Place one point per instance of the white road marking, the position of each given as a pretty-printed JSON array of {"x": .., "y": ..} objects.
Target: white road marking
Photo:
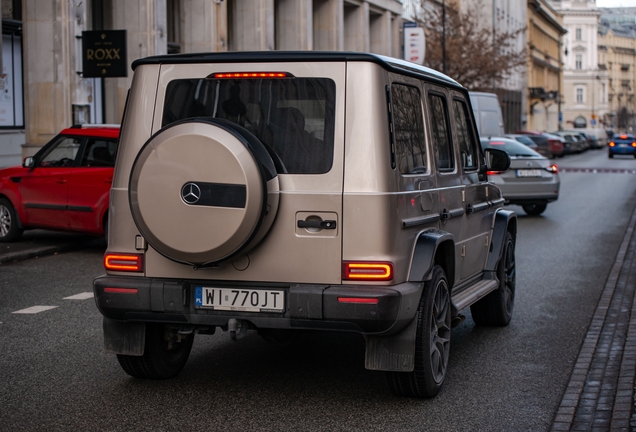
[
  {"x": 34, "y": 309},
  {"x": 80, "y": 296}
]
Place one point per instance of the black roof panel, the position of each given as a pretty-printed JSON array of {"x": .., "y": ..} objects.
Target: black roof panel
[{"x": 388, "y": 63}]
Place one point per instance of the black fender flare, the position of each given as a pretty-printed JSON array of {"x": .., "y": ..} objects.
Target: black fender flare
[
  {"x": 504, "y": 221},
  {"x": 423, "y": 258}
]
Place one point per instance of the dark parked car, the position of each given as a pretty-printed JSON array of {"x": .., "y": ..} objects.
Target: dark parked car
[
  {"x": 525, "y": 139},
  {"x": 622, "y": 145},
  {"x": 554, "y": 145}
]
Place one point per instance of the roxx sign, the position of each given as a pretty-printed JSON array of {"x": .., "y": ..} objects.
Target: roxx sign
[{"x": 104, "y": 54}]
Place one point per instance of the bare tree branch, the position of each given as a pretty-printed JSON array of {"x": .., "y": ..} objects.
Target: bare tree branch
[{"x": 476, "y": 57}]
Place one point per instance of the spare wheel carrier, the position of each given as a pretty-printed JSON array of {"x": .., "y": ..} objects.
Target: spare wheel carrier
[{"x": 203, "y": 190}]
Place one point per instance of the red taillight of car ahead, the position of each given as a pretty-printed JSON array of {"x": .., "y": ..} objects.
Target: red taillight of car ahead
[
  {"x": 634, "y": 144},
  {"x": 493, "y": 172},
  {"x": 612, "y": 144},
  {"x": 367, "y": 271},
  {"x": 123, "y": 262},
  {"x": 555, "y": 145},
  {"x": 554, "y": 169}
]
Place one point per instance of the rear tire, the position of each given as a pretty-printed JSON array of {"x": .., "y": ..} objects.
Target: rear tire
[
  {"x": 496, "y": 308},
  {"x": 534, "y": 209},
  {"x": 432, "y": 343},
  {"x": 162, "y": 359},
  {"x": 611, "y": 156},
  {"x": 9, "y": 230}
]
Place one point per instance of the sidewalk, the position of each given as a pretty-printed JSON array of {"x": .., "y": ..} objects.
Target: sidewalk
[
  {"x": 600, "y": 395},
  {"x": 36, "y": 243}
]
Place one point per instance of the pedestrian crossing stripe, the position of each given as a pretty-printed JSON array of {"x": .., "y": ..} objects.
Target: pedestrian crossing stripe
[
  {"x": 599, "y": 170},
  {"x": 80, "y": 296}
]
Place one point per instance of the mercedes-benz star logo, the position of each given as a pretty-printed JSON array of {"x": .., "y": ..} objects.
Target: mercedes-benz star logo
[{"x": 190, "y": 193}]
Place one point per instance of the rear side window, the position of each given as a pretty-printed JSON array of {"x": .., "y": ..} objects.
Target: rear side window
[
  {"x": 294, "y": 117},
  {"x": 99, "y": 153},
  {"x": 439, "y": 131},
  {"x": 408, "y": 125},
  {"x": 465, "y": 136}
]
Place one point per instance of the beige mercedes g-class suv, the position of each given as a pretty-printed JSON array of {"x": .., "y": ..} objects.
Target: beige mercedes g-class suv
[{"x": 282, "y": 192}]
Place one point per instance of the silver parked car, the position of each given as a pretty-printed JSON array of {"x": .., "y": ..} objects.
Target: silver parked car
[{"x": 532, "y": 180}]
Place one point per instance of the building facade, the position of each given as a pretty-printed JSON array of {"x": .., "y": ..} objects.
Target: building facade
[
  {"x": 617, "y": 58},
  {"x": 585, "y": 84},
  {"x": 545, "y": 67},
  {"x": 55, "y": 95}
]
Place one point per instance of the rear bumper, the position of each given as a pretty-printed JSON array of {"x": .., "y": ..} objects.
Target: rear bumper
[
  {"x": 306, "y": 306},
  {"x": 622, "y": 150}
]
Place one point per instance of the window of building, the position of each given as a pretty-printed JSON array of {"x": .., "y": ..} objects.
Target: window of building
[
  {"x": 11, "y": 97},
  {"x": 579, "y": 34},
  {"x": 408, "y": 124},
  {"x": 580, "y": 95},
  {"x": 579, "y": 61}
]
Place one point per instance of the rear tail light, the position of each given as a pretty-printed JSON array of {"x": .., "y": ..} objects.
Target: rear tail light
[
  {"x": 612, "y": 144},
  {"x": 554, "y": 169},
  {"x": 123, "y": 262},
  {"x": 493, "y": 172},
  {"x": 634, "y": 144},
  {"x": 367, "y": 271}
]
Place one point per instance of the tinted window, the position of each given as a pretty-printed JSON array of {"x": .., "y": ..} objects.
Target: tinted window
[
  {"x": 512, "y": 147},
  {"x": 99, "y": 152},
  {"x": 465, "y": 137},
  {"x": 294, "y": 117},
  {"x": 408, "y": 126},
  {"x": 525, "y": 140},
  {"x": 439, "y": 131}
]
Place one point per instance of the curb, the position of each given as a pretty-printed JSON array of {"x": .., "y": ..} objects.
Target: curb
[
  {"x": 13, "y": 257},
  {"x": 581, "y": 375}
]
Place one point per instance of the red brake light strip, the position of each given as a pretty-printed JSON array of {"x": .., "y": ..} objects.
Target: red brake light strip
[{"x": 251, "y": 75}]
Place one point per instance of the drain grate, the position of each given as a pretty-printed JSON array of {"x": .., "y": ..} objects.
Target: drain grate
[{"x": 599, "y": 170}]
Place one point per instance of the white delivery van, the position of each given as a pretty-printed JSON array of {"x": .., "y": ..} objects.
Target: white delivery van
[{"x": 487, "y": 114}]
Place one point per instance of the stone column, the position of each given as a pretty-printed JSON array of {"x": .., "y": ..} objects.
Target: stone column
[
  {"x": 146, "y": 35},
  {"x": 251, "y": 25},
  {"x": 48, "y": 70},
  {"x": 203, "y": 26},
  {"x": 356, "y": 27},
  {"x": 328, "y": 31},
  {"x": 293, "y": 25}
]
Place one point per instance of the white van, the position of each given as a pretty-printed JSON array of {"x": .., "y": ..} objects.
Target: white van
[{"x": 488, "y": 115}]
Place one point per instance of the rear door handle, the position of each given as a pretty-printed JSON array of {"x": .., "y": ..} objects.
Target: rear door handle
[{"x": 325, "y": 224}]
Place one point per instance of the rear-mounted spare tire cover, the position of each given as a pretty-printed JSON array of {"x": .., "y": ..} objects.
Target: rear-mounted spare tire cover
[{"x": 199, "y": 189}]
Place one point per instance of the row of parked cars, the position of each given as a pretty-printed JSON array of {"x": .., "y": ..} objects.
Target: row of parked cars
[{"x": 558, "y": 144}]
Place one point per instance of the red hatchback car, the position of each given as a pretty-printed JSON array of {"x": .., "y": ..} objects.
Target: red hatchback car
[{"x": 65, "y": 186}]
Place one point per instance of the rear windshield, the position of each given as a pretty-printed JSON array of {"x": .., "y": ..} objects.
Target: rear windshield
[
  {"x": 293, "y": 116},
  {"x": 512, "y": 147},
  {"x": 625, "y": 138},
  {"x": 525, "y": 140}
]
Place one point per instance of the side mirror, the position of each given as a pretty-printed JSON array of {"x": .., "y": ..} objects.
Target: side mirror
[
  {"x": 497, "y": 160},
  {"x": 28, "y": 162}
]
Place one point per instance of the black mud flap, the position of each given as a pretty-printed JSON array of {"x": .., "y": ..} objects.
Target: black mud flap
[
  {"x": 124, "y": 338},
  {"x": 392, "y": 353}
]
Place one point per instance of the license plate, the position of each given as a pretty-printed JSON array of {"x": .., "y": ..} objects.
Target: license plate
[
  {"x": 529, "y": 173},
  {"x": 240, "y": 300}
]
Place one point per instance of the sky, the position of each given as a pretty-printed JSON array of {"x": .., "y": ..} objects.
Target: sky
[{"x": 616, "y": 3}]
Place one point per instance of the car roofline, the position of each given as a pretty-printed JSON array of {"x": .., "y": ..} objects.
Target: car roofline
[{"x": 388, "y": 63}]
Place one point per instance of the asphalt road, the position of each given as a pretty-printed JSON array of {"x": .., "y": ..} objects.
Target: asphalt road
[{"x": 54, "y": 374}]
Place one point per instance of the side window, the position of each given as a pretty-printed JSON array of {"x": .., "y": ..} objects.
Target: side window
[
  {"x": 439, "y": 131},
  {"x": 408, "y": 124},
  {"x": 465, "y": 136},
  {"x": 99, "y": 153},
  {"x": 61, "y": 153}
]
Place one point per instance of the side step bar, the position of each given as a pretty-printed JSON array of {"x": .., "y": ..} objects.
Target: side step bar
[{"x": 475, "y": 292}]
